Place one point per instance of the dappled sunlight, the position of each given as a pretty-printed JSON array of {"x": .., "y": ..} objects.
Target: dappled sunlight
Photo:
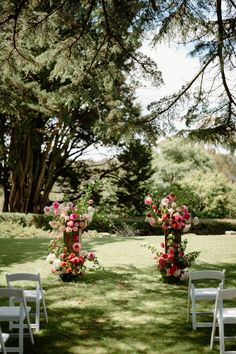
[{"x": 121, "y": 309}]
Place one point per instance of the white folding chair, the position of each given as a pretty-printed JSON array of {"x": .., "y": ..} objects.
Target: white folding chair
[
  {"x": 16, "y": 314},
  {"x": 198, "y": 292},
  {"x": 35, "y": 295},
  {"x": 3, "y": 338},
  {"x": 223, "y": 315}
]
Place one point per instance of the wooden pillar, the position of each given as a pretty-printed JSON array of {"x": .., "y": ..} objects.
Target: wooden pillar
[
  {"x": 68, "y": 239},
  {"x": 176, "y": 239}
]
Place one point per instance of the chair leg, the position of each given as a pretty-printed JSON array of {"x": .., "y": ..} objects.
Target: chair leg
[
  {"x": 188, "y": 309},
  {"x": 29, "y": 328},
  {"x": 21, "y": 337},
  {"x": 213, "y": 333},
  {"x": 45, "y": 311},
  {"x": 194, "y": 314},
  {"x": 222, "y": 338},
  {"x": 37, "y": 316}
]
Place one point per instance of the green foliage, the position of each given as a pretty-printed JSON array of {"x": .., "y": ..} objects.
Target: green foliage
[
  {"x": 132, "y": 180},
  {"x": 63, "y": 88},
  {"x": 196, "y": 177}
]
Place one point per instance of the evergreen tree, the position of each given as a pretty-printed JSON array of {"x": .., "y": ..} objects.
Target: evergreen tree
[
  {"x": 63, "y": 87},
  {"x": 132, "y": 181}
]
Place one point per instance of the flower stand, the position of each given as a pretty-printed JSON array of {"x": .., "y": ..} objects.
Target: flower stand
[{"x": 174, "y": 220}]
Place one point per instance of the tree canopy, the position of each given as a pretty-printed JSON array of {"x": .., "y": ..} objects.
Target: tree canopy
[{"x": 68, "y": 75}]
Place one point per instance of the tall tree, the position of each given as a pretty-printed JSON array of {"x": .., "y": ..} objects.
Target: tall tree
[
  {"x": 63, "y": 87},
  {"x": 207, "y": 104},
  {"x": 132, "y": 181}
]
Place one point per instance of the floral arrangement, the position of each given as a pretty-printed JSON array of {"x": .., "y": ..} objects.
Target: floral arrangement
[
  {"x": 174, "y": 220},
  {"x": 69, "y": 217},
  {"x": 65, "y": 253},
  {"x": 168, "y": 215},
  {"x": 70, "y": 265}
]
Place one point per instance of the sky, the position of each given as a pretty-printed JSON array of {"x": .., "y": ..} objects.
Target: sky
[{"x": 176, "y": 67}]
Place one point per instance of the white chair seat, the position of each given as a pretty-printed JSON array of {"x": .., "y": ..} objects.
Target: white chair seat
[
  {"x": 31, "y": 295},
  {"x": 228, "y": 315},
  {"x": 11, "y": 313}
]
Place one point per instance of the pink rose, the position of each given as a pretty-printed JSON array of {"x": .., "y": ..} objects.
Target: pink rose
[
  {"x": 55, "y": 204},
  {"x": 148, "y": 200},
  {"x": 76, "y": 246},
  {"x": 91, "y": 256},
  {"x": 74, "y": 216},
  {"x": 70, "y": 223}
]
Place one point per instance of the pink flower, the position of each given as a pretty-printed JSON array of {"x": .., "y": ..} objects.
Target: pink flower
[
  {"x": 162, "y": 245},
  {"x": 57, "y": 212},
  {"x": 152, "y": 221},
  {"x": 91, "y": 256},
  {"x": 171, "y": 250},
  {"x": 184, "y": 208},
  {"x": 70, "y": 223},
  {"x": 186, "y": 216},
  {"x": 171, "y": 196},
  {"x": 47, "y": 210},
  {"x": 165, "y": 202},
  {"x": 148, "y": 200},
  {"x": 55, "y": 204},
  {"x": 76, "y": 246},
  {"x": 74, "y": 216}
]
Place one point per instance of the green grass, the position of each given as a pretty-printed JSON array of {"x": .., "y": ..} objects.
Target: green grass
[{"x": 123, "y": 309}]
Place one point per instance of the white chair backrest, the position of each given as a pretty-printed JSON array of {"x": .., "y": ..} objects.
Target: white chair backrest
[
  {"x": 207, "y": 274},
  {"x": 34, "y": 277},
  {"x": 9, "y": 292},
  {"x": 226, "y": 294}
]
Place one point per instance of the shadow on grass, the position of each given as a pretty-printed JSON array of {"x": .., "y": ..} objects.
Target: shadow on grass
[
  {"x": 16, "y": 251},
  {"x": 123, "y": 310},
  {"x": 120, "y": 311}
]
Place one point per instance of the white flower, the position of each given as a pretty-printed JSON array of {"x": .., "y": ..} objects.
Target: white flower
[
  {"x": 195, "y": 220},
  {"x": 51, "y": 257},
  {"x": 56, "y": 264},
  {"x": 171, "y": 211},
  {"x": 186, "y": 227}
]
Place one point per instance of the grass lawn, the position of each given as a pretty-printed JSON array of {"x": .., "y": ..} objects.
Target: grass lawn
[{"x": 123, "y": 309}]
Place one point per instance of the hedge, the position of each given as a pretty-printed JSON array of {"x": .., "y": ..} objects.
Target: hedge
[{"x": 131, "y": 226}]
